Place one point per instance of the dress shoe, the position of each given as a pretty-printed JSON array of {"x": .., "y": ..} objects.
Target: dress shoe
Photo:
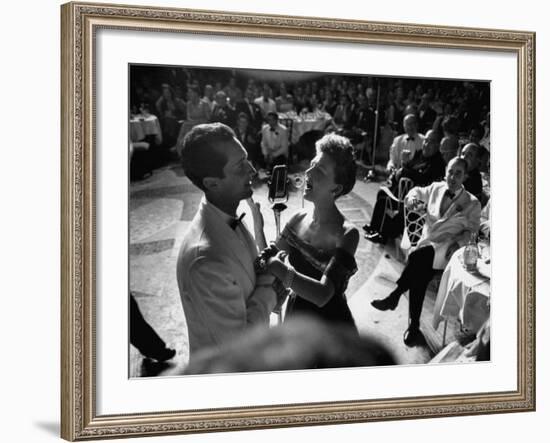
[
  {"x": 385, "y": 304},
  {"x": 368, "y": 230},
  {"x": 162, "y": 355},
  {"x": 412, "y": 336},
  {"x": 376, "y": 237}
]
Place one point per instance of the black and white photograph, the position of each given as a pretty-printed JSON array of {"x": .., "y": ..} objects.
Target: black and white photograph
[
  {"x": 288, "y": 220},
  {"x": 283, "y": 218}
]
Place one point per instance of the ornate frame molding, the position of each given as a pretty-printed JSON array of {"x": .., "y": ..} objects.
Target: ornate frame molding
[{"x": 79, "y": 23}]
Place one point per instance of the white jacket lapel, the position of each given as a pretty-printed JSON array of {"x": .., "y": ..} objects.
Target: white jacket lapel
[{"x": 226, "y": 239}]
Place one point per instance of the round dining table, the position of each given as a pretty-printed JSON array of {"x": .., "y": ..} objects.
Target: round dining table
[
  {"x": 464, "y": 295},
  {"x": 305, "y": 122},
  {"x": 144, "y": 125}
]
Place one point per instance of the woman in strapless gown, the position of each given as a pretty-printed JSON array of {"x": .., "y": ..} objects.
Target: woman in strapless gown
[
  {"x": 314, "y": 256},
  {"x": 337, "y": 264}
]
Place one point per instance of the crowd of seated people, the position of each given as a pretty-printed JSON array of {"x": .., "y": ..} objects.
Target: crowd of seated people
[
  {"x": 434, "y": 133},
  {"x": 370, "y": 111}
]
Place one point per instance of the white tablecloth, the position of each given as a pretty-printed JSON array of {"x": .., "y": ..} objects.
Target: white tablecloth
[
  {"x": 463, "y": 295},
  {"x": 306, "y": 122},
  {"x": 141, "y": 126}
]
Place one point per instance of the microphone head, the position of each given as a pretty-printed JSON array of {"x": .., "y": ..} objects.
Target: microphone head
[{"x": 278, "y": 185}]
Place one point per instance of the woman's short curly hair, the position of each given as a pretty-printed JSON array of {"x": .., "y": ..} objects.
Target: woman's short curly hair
[{"x": 341, "y": 151}]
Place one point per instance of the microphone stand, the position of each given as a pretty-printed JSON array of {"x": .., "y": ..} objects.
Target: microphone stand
[
  {"x": 372, "y": 175},
  {"x": 278, "y": 205}
]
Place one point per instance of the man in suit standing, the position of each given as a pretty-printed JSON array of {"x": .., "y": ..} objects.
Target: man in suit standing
[
  {"x": 221, "y": 293},
  {"x": 452, "y": 214},
  {"x": 274, "y": 142}
]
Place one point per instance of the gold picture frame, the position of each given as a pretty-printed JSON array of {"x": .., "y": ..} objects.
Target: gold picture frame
[{"x": 80, "y": 21}]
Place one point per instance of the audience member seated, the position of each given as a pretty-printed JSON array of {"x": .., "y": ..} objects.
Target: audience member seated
[
  {"x": 426, "y": 167},
  {"x": 198, "y": 112},
  {"x": 223, "y": 112},
  {"x": 284, "y": 101},
  {"x": 406, "y": 145},
  {"x": 449, "y": 143},
  {"x": 426, "y": 115},
  {"x": 251, "y": 109},
  {"x": 300, "y": 98},
  {"x": 265, "y": 102},
  {"x": 248, "y": 138},
  {"x": 452, "y": 214},
  {"x": 274, "y": 142},
  {"x": 170, "y": 111},
  {"x": 303, "y": 342},
  {"x": 329, "y": 104},
  {"x": 232, "y": 91},
  {"x": 471, "y": 153},
  {"x": 476, "y": 135},
  {"x": 343, "y": 115},
  {"x": 209, "y": 97},
  {"x": 363, "y": 120}
]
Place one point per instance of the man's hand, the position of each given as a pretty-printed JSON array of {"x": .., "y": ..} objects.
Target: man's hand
[{"x": 257, "y": 216}]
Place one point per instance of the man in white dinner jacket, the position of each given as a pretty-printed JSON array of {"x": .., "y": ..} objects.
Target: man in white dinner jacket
[
  {"x": 221, "y": 293},
  {"x": 452, "y": 214},
  {"x": 411, "y": 140},
  {"x": 274, "y": 142}
]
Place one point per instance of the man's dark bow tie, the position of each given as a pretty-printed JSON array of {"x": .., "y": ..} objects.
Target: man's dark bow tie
[
  {"x": 449, "y": 194},
  {"x": 234, "y": 222},
  {"x": 410, "y": 139},
  {"x": 274, "y": 130}
]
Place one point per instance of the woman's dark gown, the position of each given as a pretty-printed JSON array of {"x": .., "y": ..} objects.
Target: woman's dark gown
[{"x": 339, "y": 266}]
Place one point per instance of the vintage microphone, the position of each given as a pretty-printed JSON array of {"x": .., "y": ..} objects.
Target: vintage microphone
[{"x": 278, "y": 196}]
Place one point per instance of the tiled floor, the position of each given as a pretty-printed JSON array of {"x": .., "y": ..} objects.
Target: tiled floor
[{"x": 161, "y": 207}]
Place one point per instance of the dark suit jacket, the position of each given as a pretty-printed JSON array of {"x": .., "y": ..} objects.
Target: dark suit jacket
[
  {"x": 426, "y": 119},
  {"x": 251, "y": 142},
  {"x": 254, "y": 113},
  {"x": 424, "y": 170},
  {"x": 473, "y": 183},
  {"x": 364, "y": 119},
  {"x": 225, "y": 115}
]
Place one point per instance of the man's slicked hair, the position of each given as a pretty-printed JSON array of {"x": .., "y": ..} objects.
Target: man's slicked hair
[{"x": 201, "y": 155}]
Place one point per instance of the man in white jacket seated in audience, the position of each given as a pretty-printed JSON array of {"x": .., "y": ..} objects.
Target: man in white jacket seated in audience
[
  {"x": 404, "y": 146},
  {"x": 452, "y": 214}
]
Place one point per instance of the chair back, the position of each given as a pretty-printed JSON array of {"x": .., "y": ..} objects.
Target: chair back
[
  {"x": 414, "y": 224},
  {"x": 394, "y": 203},
  {"x": 403, "y": 187}
]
